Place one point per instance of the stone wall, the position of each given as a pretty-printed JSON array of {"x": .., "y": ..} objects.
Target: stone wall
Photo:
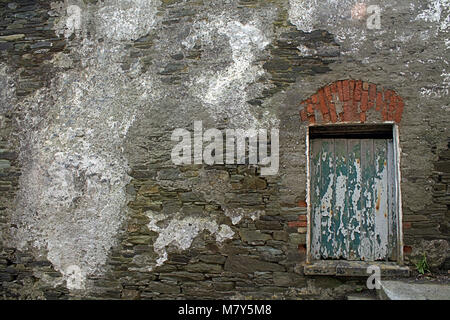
[{"x": 91, "y": 204}]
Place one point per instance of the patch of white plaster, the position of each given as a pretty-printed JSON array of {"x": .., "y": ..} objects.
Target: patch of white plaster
[
  {"x": 435, "y": 90},
  {"x": 72, "y": 187},
  {"x": 225, "y": 92},
  {"x": 72, "y": 199},
  {"x": 243, "y": 39},
  {"x": 181, "y": 231},
  {"x": 336, "y": 17},
  {"x": 224, "y": 233},
  {"x": 73, "y": 21},
  {"x": 75, "y": 277},
  {"x": 435, "y": 12},
  {"x": 235, "y": 215},
  {"x": 126, "y": 19},
  {"x": 305, "y": 51},
  {"x": 302, "y": 13}
]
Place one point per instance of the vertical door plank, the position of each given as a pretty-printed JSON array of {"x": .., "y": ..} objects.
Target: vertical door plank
[
  {"x": 315, "y": 160},
  {"x": 366, "y": 247},
  {"x": 392, "y": 215},
  {"x": 326, "y": 196},
  {"x": 340, "y": 209},
  {"x": 380, "y": 239},
  {"x": 354, "y": 198}
]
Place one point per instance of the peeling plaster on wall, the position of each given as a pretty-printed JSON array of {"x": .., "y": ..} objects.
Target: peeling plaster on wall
[
  {"x": 309, "y": 15},
  {"x": 69, "y": 17},
  {"x": 237, "y": 214},
  {"x": 305, "y": 51},
  {"x": 225, "y": 92},
  {"x": 438, "y": 14},
  {"x": 334, "y": 16},
  {"x": 126, "y": 19},
  {"x": 181, "y": 231},
  {"x": 353, "y": 34},
  {"x": 302, "y": 14},
  {"x": 438, "y": 91},
  {"x": 119, "y": 20},
  {"x": 73, "y": 18},
  {"x": 224, "y": 233},
  {"x": 73, "y": 22},
  {"x": 435, "y": 13},
  {"x": 72, "y": 199}
]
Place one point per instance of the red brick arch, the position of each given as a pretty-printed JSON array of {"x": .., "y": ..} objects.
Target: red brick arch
[{"x": 351, "y": 101}]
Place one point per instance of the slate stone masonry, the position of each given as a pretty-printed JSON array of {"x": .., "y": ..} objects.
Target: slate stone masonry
[{"x": 198, "y": 231}]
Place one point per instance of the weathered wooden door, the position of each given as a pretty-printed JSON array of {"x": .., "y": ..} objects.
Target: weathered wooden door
[{"x": 352, "y": 199}]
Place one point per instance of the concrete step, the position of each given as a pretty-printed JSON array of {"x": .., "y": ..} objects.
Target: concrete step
[
  {"x": 363, "y": 296},
  {"x": 407, "y": 290}
]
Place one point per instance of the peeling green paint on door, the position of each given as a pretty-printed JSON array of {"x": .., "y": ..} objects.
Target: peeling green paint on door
[{"x": 352, "y": 199}]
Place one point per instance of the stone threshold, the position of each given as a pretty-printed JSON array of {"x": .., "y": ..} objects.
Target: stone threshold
[
  {"x": 406, "y": 290},
  {"x": 354, "y": 268}
]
